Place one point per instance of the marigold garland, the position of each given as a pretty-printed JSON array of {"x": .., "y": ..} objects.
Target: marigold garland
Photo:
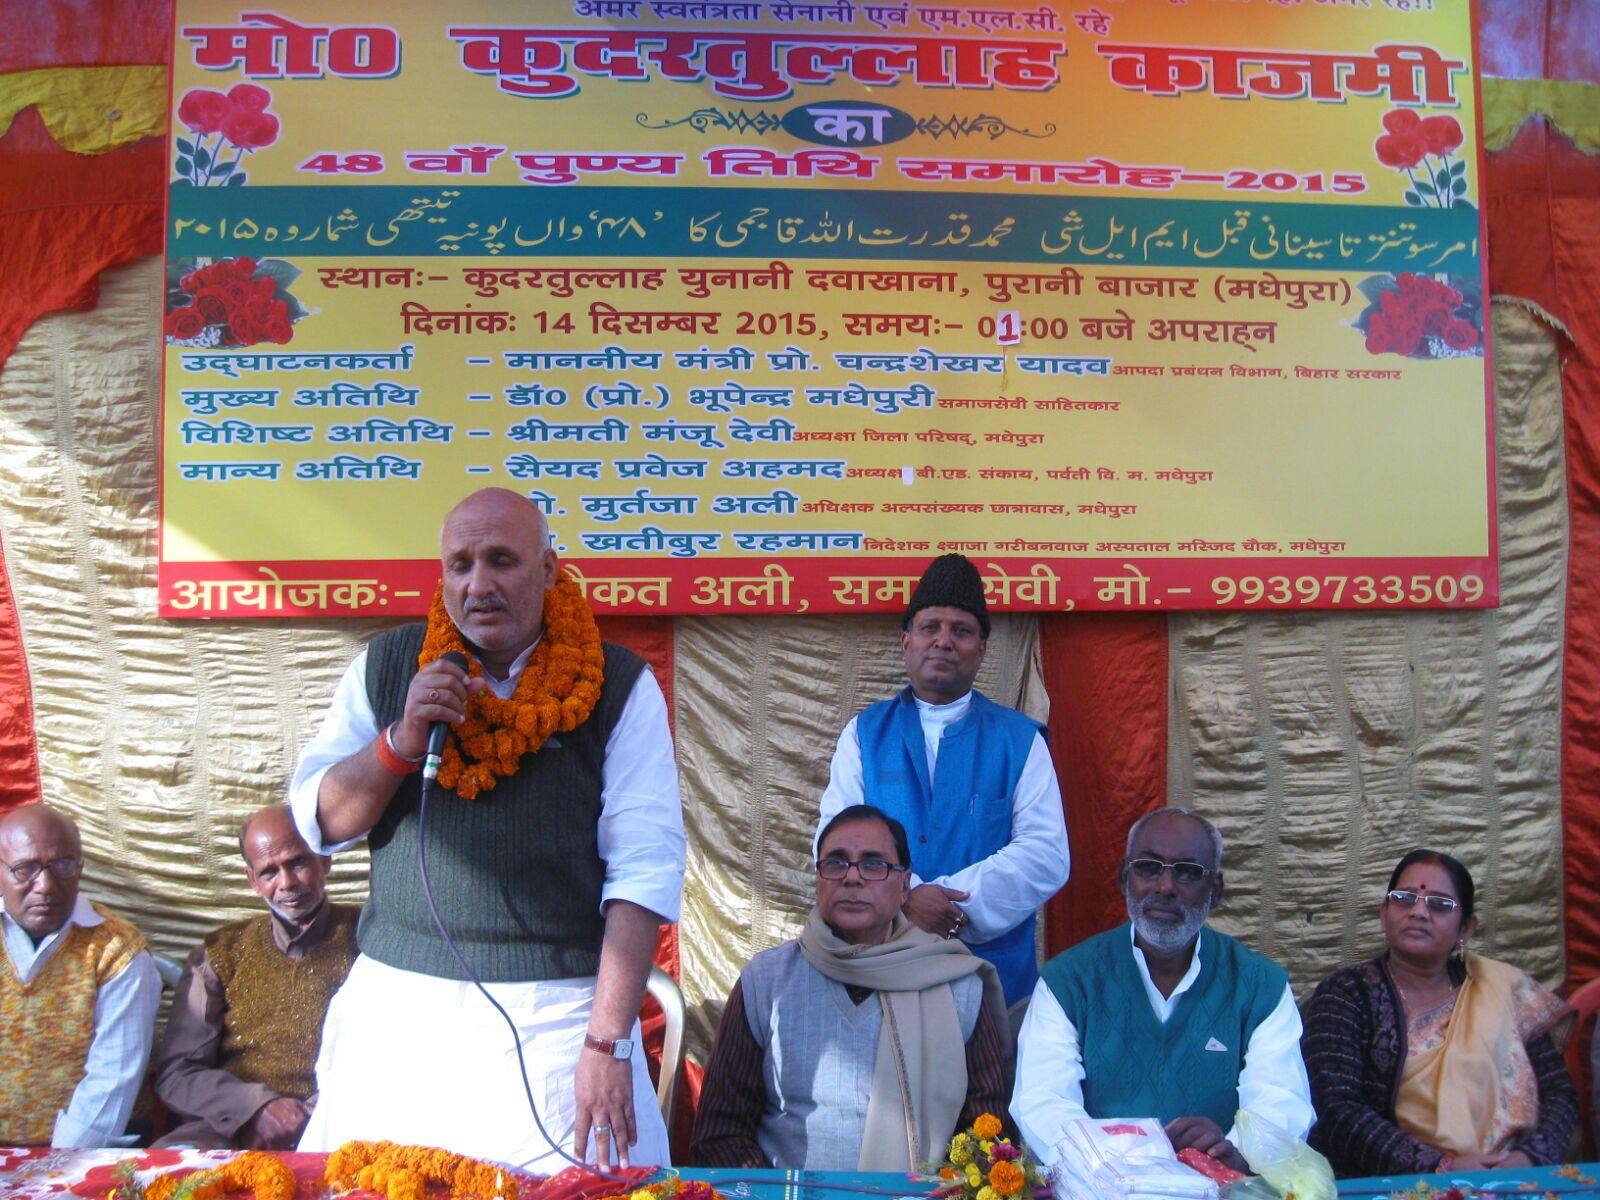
[
  {"x": 557, "y": 691},
  {"x": 404, "y": 1172},
  {"x": 255, "y": 1172}
]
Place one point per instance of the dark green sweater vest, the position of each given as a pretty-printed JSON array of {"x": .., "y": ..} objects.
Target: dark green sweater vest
[
  {"x": 1137, "y": 1066},
  {"x": 516, "y": 874}
]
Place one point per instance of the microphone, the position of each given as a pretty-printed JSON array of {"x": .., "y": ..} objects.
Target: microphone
[{"x": 436, "y": 732}]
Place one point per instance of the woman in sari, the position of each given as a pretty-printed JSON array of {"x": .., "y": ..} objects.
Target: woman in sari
[{"x": 1429, "y": 1058}]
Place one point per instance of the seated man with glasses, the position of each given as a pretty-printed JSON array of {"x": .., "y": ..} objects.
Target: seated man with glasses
[
  {"x": 827, "y": 1040},
  {"x": 78, "y": 1000},
  {"x": 1163, "y": 1017}
]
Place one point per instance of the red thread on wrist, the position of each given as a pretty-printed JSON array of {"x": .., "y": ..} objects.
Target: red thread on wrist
[{"x": 391, "y": 759}]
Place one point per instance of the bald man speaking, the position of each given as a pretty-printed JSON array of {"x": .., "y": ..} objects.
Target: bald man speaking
[{"x": 554, "y": 846}]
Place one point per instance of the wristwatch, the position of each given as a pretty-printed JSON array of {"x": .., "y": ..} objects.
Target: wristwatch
[{"x": 621, "y": 1048}]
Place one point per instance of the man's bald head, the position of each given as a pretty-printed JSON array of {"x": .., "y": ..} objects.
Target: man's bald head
[
  {"x": 43, "y": 846},
  {"x": 501, "y": 505},
  {"x": 33, "y": 820},
  {"x": 497, "y": 562}
]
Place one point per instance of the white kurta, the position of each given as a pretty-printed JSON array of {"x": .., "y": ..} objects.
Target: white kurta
[{"x": 415, "y": 1058}]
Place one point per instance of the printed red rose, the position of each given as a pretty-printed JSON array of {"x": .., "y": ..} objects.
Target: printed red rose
[
  {"x": 1440, "y": 134},
  {"x": 1459, "y": 335},
  {"x": 247, "y": 97},
  {"x": 1402, "y": 151},
  {"x": 1435, "y": 317},
  {"x": 250, "y": 130},
  {"x": 1401, "y": 120},
  {"x": 263, "y": 288},
  {"x": 241, "y": 268},
  {"x": 278, "y": 332},
  {"x": 242, "y": 325},
  {"x": 204, "y": 110},
  {"x": 183, "y": 323},
  {"x": 212, "y": 305}
]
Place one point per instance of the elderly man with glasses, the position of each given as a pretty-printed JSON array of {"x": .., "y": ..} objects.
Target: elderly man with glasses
[
  {"x": 837, "y": 1051},
  {"x": 78, "y": 1000},
  {"x": 1163, "y": 1017}
]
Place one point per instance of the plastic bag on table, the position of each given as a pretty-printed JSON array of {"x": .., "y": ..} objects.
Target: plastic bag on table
[
  {"x": 1286, "y": 1162},
  {"x": 1127, "y": 1158}
]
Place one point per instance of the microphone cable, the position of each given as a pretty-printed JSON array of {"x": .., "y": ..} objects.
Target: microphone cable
[{"x": 516, "y": 1035}]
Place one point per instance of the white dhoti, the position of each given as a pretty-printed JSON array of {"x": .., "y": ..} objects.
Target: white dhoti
[{"x": 426, "y": 1061}]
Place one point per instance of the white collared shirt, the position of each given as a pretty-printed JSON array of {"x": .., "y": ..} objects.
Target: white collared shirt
[
  {"x": 640, "y": 831},
  {"x": 1049, "y": 1088},
  {"x": 1011, "y": 884},
  {"x": 124, "y": 1027}
]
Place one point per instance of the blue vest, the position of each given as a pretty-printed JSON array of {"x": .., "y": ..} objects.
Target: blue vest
[
  {"x": 1134, "y": 1065},
  {"x": 964, "y": 815}
]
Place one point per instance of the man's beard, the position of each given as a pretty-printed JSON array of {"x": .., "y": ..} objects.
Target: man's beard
[{"x": 1161, "y": 935}]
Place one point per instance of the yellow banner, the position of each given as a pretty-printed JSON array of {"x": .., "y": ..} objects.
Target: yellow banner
[{"x": 1138, "y": 304}]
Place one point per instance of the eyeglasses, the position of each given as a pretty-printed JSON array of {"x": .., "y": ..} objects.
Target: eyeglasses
[
  {"x": 871, "y": 870},
  {"x": 62, "y": 868},
  {"x": 1439, "y": 904},
  {"x": 1151, "y": 869}
]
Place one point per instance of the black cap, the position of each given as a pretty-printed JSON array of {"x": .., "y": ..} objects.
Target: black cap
[{"x": 951, "y": 581}]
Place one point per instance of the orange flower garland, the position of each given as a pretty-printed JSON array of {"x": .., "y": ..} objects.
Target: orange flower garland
[
  {"x": 557, "y": 691},
  {"x": 404, "y": 1172},
  {"x": 260, "y": 1174}
]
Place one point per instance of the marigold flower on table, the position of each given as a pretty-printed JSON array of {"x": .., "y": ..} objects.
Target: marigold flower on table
[
  {"x": 988, "y": 1193},
  {"x": 987, "y": 1126},
  {"x": 1006, "y": 1178}
]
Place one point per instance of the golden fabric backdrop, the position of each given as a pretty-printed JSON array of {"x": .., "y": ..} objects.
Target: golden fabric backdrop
[{"x": 1326, "y": 746}]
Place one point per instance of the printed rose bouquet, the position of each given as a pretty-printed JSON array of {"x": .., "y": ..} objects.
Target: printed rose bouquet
[
  {"x": 230, "y": 302},
  {"x": 239, "y": 119},
  {"x": 1407, "y": 142},
  {"x": 982, "y": 1165},
  {"x": 1420, "y": 316}
]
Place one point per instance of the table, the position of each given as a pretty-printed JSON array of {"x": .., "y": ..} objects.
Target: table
[{"x": 38, "y": 1174}]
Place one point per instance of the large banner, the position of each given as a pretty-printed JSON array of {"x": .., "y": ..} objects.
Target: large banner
[{"x": 1138, "y": 303}]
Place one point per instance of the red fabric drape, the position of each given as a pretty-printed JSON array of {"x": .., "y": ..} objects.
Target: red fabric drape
[
  {"x": 64, "y": 218},
  {"x": 1107, "y": 678},
  {"x": 1543, "y": 211}
]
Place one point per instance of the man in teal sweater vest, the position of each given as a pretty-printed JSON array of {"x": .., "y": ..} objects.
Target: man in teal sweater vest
[{"x": 1163, "y": 1016}]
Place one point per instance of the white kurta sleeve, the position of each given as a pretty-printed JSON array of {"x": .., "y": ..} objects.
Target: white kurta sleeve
[
  {"x": 845, "y": 780},
  {"x": 1011, "y": 884},
  {"x": 124, "y": 1027},
  {"x": 1049, "y": 1088},
  {"x": 1273, "y": 1082},
  {"x": 641, "y": 821},
  {"x": 347, "y": 726}
]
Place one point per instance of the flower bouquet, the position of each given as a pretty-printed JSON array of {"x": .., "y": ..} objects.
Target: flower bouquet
[
  {"x": 982, "y": 1165},
  {"x": 230, "y": 302},
  {"x": 1420, "y": 316},
  {"x": 238, "y": 121}
]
